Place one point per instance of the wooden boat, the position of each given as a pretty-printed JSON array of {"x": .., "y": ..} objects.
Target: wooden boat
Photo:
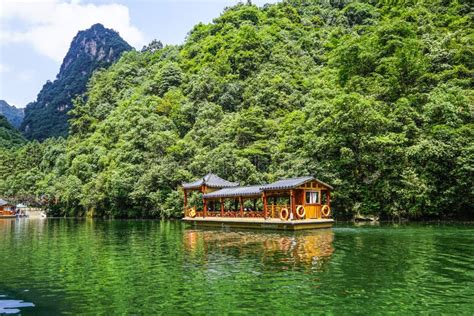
[
  {"x": 7, "y": 210},
  {"x": 7, "y": 214},
  {"x": 287, "y": 204}
]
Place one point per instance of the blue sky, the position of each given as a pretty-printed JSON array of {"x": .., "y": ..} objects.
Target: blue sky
[{"x": 35, "y": 34}]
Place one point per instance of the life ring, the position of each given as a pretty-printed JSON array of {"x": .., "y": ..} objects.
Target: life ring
[
  {"x": 192, "y": 212},
  {"x": 284, "y": 214},
  {"x": 300, "y": 211},
  {"x": 326, "y": 210}
]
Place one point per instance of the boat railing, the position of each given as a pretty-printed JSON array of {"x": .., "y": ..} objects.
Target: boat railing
[
  {"x": 275, "y": 209},
  {"x": 7, "y": 213},
  {"x": 235, "y": 213}
]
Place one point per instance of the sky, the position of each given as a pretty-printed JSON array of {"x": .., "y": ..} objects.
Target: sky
[{"x": 35, "y": 34}]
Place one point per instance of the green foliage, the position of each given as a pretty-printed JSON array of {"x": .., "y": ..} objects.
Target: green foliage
[
  {"x": 9, "y": 136},
  {"x": 370, "y": 96}
]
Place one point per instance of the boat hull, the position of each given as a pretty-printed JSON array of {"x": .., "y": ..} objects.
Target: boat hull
[
  {"x": 259, "y": 223},
  {"x": 7, "y": 216}
]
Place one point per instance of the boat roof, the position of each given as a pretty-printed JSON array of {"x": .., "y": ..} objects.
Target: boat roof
[
  {"x": 291, "y": 183},
  {"x": 287, "y": 183},
  {"x": 250, "y": 190},
  {"x": 210, "y": 180},
  {"x": 255, "y": 190},
  {"x": 3, "y": 202}
]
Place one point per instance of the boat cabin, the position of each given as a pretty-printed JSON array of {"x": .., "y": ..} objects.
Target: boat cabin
[
  {"x": 290, "y": 200},
  {"x": 306, "y": 194},
  {"x": 6, "y": 208}
]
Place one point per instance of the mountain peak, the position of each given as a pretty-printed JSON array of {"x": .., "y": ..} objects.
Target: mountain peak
[
  {"x": 96, "y": 43},
  {"x": 93, "y": 48},
  {"x": 97, "y": 27}
]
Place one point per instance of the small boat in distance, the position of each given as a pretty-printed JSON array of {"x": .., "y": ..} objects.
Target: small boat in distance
[
  {"x": 7, "y": 210},
  {"x": 287, "y": 204}
]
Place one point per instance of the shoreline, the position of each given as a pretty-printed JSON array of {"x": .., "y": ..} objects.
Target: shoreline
[{"x": 361, "y": 223}]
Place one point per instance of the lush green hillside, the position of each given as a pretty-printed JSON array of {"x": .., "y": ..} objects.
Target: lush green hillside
[
  {"x": 375, "y": 99},
  {"x": 91, "y": 49},
  {"x": 13, "y": 114},
  {"x": 9, "y": 136}
]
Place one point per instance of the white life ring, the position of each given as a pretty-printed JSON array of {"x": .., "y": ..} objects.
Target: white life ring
[
  {"x": 300, "y": 212},
  {"x": 326, "y": 210},
  {"x": 284, "y": 214}
]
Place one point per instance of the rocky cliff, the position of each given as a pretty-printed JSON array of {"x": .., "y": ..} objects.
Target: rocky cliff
[{"x": 94, "y": 48}]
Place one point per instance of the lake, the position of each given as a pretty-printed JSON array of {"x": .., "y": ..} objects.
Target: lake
[{"x": 163, "y": 267}]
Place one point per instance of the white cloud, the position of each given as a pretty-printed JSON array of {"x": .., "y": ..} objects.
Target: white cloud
[
  {"x": 50, "y": 25},
  {"x": 25, "y": 75},
  {"x": 4, "y": 68}
]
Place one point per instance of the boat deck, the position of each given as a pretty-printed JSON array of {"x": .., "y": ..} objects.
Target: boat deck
[
  {"x": 260, "y": 223},
  {"x": 7, "y": 216}
]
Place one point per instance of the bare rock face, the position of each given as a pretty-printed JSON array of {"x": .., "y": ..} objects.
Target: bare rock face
[{"x": 96, "y": 47}]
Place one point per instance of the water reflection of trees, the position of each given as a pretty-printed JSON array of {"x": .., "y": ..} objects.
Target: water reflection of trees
[{"x": 274, "y": 250}]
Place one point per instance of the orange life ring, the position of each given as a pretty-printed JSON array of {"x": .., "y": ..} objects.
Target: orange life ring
[
  {"x": 192, "y": 212},
  {"x": 284, "y": 214},
  {"x": 300, "y": 211},
  {"x": 326, "y": 210}
]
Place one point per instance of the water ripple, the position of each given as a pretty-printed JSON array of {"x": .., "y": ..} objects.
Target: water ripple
[{"x": 151, "y": 267}]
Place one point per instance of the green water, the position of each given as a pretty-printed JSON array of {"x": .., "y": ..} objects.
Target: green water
[{"x": 151, "y": 267}]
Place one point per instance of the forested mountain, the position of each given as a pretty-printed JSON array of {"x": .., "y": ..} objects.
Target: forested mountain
[
  {"x": 91, "y": 49},
  {"x": 13, "y": 114},
  {"x": 9, "y": 136},
  {"x": 371, "y": 97}
]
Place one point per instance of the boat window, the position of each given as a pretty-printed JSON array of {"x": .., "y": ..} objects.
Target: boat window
[{"x": 312, "y": 197}]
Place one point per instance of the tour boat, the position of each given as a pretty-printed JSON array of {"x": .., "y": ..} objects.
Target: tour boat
[
  {"x": 287, "y": 204},
  {"x": 7, "y": 210}
]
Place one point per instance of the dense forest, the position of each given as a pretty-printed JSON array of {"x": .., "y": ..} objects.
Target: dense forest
[
  {"x": 9, "y": 136},
  {"x": 371, "y": 97}
]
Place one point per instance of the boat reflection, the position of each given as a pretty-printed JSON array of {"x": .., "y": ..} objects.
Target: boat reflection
[
  {"x": 20, "y": 225},
  {"x": 311, "y": 248}
]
